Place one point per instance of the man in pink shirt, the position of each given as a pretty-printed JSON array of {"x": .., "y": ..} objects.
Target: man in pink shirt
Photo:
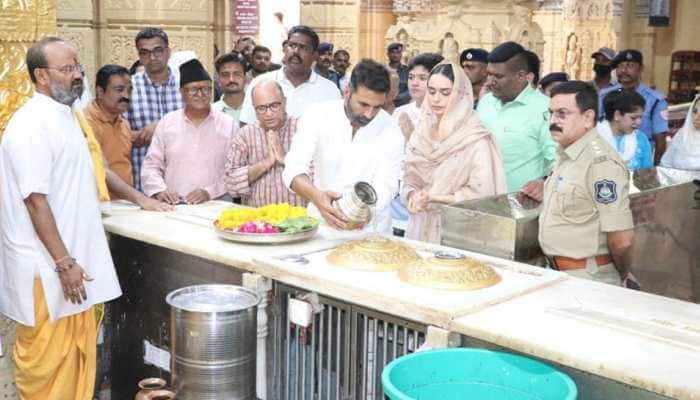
[{"x": 187, "y": 156}]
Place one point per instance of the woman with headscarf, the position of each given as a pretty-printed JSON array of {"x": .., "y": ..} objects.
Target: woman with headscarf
[
  {"x": 684, "y": 150},
  {"x": 451, "y": 156},
  {"x": 407, "y": 116}
]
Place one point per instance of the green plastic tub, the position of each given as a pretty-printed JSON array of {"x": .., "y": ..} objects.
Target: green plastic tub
[{"x": 463, "y": 373}]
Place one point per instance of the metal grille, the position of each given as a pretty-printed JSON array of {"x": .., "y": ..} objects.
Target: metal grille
[{"x": 341, "y": 355}]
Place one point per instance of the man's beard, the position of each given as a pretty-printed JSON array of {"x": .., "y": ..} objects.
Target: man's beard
[
  {"x": 66, "y": 95},
  {"x": 355, "y": 119}
]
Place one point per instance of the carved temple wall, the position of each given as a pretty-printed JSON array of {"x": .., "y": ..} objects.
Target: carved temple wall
[
  {"x": 563, "y": 32},
  {"x": 103, "y": 31}
]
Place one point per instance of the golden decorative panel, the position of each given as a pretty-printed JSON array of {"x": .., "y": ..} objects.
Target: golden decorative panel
[{"x": 21, "y": 23}]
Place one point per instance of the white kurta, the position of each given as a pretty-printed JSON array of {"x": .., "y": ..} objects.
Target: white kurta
[
  {"x": 411, "y": 109},
  {"x": 316, "y": 89},
  {"x": 44, "y": 151},
  {"x": 374, "y": 155}
]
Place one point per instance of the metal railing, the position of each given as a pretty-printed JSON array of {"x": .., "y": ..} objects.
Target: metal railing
[{"x": 340, "y": 356}]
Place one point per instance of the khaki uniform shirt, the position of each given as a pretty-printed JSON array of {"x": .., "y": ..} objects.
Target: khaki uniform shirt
[{"x": 586, "y": 196}]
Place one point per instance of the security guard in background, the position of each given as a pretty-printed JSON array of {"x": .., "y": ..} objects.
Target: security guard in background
[
  {"x": 586, "y": 222},
  {"x": 474, "y": 63},
  {"x": 628, "y": 66}
]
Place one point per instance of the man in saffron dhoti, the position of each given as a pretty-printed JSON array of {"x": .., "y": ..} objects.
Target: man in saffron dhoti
[{"x": 54, "y": 259}]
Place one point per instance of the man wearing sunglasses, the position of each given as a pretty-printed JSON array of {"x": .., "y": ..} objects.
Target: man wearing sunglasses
[
  {"x": 186, "y": 159},
  {"x": 300, "y": 84}
]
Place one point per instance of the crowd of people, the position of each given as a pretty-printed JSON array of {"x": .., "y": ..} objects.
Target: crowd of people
[{"x": 423, "y": 135}]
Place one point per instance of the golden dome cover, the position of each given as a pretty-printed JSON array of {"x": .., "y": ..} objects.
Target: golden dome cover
[
  {"x": 449, "y": 270},
  {"x": 374, "y": 253}
]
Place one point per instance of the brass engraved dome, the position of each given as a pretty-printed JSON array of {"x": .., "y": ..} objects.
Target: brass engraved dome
[
  {"x": 451, "y": 271},
  {"x": 374, "y": 253}
]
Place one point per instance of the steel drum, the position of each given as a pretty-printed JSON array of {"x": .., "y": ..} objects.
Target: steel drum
[{"x": 214, "y": 336}]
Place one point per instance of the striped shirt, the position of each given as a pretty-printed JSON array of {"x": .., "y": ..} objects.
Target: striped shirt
[
  {"x": 248, "y": 147},
  {"x": 149, "y": 103}
]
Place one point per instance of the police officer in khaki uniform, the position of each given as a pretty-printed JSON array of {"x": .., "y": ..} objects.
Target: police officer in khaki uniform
[{"x": 586, "y": 223}]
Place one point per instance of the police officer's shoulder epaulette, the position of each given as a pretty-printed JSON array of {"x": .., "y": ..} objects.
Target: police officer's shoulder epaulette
[{"x": 598, "y": 152}]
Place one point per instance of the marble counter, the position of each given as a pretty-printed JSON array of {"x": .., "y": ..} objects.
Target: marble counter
[
  {"x": 640, "y": 339},
  {"x": 643, "y": 340},
  {"x": 189, "y": 230}
]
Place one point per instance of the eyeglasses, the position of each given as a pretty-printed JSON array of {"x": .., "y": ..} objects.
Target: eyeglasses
[
  {"x": 68, "y": 69},
  {"x": 294, "y": 46},
  {"x": 274, "y": 107},
  {"x": 204, "y": 90},
  {"x": 157, "y": 52},
  {"x": 560, "y": 114}
]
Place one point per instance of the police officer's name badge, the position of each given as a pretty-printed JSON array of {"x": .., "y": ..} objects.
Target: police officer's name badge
[{"x": 605, "y": 191}]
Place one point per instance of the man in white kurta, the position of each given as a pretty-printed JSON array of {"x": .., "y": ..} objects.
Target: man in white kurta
[
  {"x": 49, "y": 155},
  {"x": 45, "y": 161},
  {"x": 348, "y": 141},
  {"x": 302, "y": 87}
]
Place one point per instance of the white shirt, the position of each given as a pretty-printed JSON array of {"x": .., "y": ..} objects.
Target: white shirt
[
  {"x": 49, "y": 155},
  {"x": 315, "y": 90},
  {"x": 411, "y": 109},
  {"x": 374, "y": 155},
  {"x": 344, "y": 83}
]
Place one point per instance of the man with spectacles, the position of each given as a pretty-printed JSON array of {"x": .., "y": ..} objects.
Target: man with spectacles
[
  {"x": 586, "y": 223},
  {"x": 155, "y": 93},
  {"x": 300, "y": 84},
  {"x": 512, "y": 111},
  {"x": 54, "y": 259},
  {"x": 185, "y": 163},
  {"x": 256, "y": 157},
  {"x": 230, "y": 69},
  {"x": 348, "y": 141}
]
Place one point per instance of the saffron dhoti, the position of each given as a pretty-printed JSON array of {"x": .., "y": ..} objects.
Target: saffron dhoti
[{"x": 56, "y": 360}]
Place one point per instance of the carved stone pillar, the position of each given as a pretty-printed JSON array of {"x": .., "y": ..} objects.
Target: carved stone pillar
[
  {"x": 334, "y": 21},
  {"x": 76, "y": 25},
  {"x": 376, "y": 16},
  {"x": 262, "y": 286},
  {"x": 587, "y": 25}
]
